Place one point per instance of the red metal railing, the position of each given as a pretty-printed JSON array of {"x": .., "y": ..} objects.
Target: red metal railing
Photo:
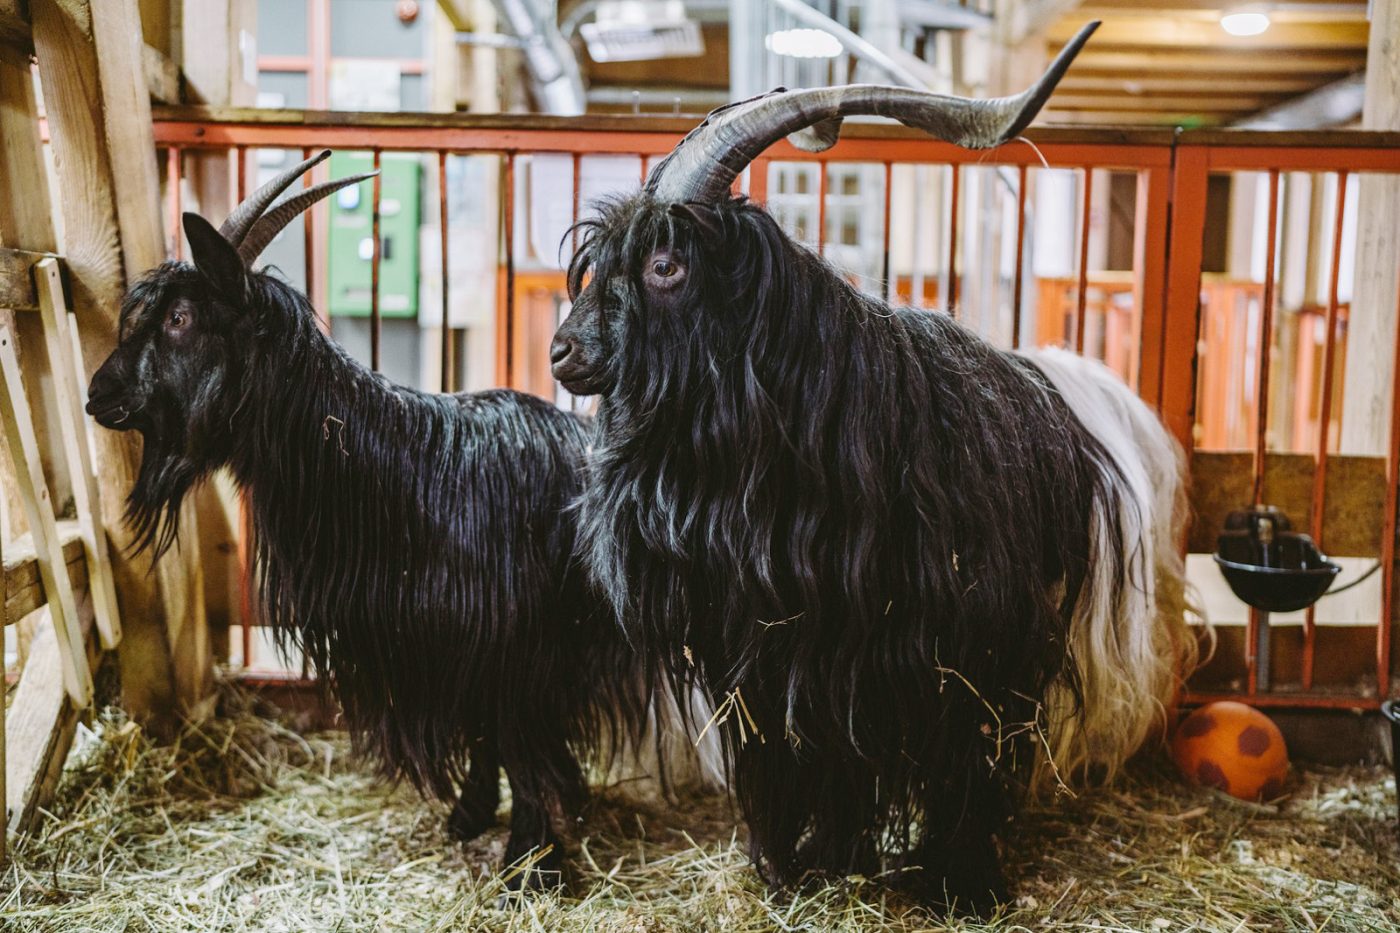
[{"x": 1172, "y": 171}]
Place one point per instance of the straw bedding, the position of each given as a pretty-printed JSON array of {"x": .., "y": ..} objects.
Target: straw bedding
[{"x": 243, "y": 824}]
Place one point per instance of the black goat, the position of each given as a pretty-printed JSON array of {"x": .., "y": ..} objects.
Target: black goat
[
  {"x": 417, "y": 548},
  {"x": 924, "y": 570}
]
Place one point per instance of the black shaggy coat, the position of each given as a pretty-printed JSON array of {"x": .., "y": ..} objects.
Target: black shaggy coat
[
  {"x": 861, "y": 529},
  {"x": 416, "y": 548}
]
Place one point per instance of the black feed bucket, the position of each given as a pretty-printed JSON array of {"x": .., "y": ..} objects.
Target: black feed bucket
[
  {"x": 1390, "y": 709},
  {"x": 1268, "y": 565}
]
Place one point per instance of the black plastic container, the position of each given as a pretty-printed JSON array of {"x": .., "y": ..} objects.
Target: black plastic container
[
  {"x": 1270, "y": 566},
  {"x": 1390, "y": 709}
]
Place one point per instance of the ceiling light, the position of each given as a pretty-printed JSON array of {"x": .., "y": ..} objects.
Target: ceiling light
[
  {"x": 803, "y": 43},
  {"x": 1244, "y": 24}
]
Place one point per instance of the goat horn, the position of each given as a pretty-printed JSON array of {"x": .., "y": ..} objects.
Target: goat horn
[
  {"x": 706, "y": 162},
  {"x": 236, "y": 226},
  {"x": 271, "y": 223}
]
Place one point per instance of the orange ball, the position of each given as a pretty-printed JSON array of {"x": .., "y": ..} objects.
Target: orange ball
[{"x": 1232, "y": 747}]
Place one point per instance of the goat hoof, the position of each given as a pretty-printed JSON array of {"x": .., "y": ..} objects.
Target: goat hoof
[
  {"x": 465, "y": 826},
  {"x": 542, "y": 874}
]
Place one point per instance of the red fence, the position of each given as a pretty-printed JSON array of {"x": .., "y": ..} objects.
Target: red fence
[{"x": 1170, "y": 214}]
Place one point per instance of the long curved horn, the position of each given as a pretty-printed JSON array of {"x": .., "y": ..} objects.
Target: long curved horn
[
  {"x": 706, "y": 162},
  {"x": 271, "y": 223},
  {"x": 236, "y": 226}
]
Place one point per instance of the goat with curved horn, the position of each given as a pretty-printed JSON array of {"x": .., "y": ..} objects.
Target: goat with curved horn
[
  {"x": 416, "y": 548},
  {"x": 706, "y": 162}
]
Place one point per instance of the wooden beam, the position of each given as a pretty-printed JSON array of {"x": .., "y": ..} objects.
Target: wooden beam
[
  {"x": 1137, "y": 118},
  {"x": 100, "y": 127},
  {"x": 1175, "y": 103},
  {"x": 162, "y": 76},
  {"x": 17, "y": 279},
  {"x": 26, "y": 224},
  {"x": 62, "y": 350},
  {"x": 1352, "y": 523},
  {"x": 40, "y": 723},
  {"x": 1144, "y": 85},
  {"x": 1178, "y": 33},
  {"x": 23, "y": 442},
  {"x": 1371, "y": 336},
  {"x": 24, "y": 587},
  {"x": 1097, "y": 60}
]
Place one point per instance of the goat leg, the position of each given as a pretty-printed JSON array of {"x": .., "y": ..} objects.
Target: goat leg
[{"x": 475, "y": 810}]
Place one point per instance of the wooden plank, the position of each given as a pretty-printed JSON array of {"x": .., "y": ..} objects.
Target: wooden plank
[
  {"x": 59, "y": 342},
  {"x": 1140, "y": 83},
  {"x": 1184, "y": 103},
  {"x": 24, "y": 588},
  {"x": 48, "y": 550},
  {"x": 40, "y": 722},
  {"x": 1170, "y": 32},
  {"x": 26, "y": 223},
  {"x": 1095, "y": 59},
  {"x": 1222, "y": 482},
  {"x": 162, "y": 75},
  {"x": 99, "y": 124},
  {"x": 17, "y": 280}
]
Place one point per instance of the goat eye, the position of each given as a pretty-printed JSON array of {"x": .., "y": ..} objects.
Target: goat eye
[
  {"x": 178, "y": 320},
  {"x": 664, "y": 268}
]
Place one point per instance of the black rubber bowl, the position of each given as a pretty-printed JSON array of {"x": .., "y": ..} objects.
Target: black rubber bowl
[
  {"x": 1390, "y": 709},
  {"x": 1295, "y": 575}
]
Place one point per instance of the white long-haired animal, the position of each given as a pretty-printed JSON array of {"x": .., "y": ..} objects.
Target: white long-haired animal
[{"x": 1129, "y": 645}]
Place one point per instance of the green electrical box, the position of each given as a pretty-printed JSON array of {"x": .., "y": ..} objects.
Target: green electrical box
[{"x": 351, "y": 241}]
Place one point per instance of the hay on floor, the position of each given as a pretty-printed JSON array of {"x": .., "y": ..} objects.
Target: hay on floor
[{"x": 246, "y": 825}]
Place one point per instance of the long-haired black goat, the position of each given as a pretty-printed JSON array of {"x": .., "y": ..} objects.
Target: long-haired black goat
[
  {"x": 927, "y": 573},
  {"x": 417, "y": 548}
]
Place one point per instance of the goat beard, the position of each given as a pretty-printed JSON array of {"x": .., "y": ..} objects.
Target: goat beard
[{"x": 165, "y": 478}]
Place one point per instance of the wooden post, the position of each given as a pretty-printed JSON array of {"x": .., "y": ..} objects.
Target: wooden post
[
  {"x": 218, "y": 58},
  {"x": 1371, "y": 325},
  {"x": 104, "y": 156},
  {"x": 25, "y": 224}
]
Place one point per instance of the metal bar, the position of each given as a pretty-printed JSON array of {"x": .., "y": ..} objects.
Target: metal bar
[
  {"x": 1257, "y": 631},
  {"x": 952, "y": 302},
  {"x": 1286, "y": 701},
  {"x": 1266, "y": 330},
  {"x": 308, "y": 246},
  {"x": 821, "y": 208},
  {"x": 1019, "y": 287},
  {"x": 886, "y": 276},
  {"x": 247, "y": 610},
  {"x": 447, "y": 362},
  {"x": 376, "y": 324},
  {"x": 1181, "y": 318},
  {"x": 172, "y": 184},
  {"x": 578, "y": 176},
  {"x": 1319, "y": 490},
  {"x": 1082, "y": 300},
  {"x": 758, "y": 180},
  {"x": 241, "y": 183},
  {"x": 526, "y": 134},
  {"x": 505, "y": 312},
  {"x": 642, "y": 171},
  {"x": 1151, "y": 257}
]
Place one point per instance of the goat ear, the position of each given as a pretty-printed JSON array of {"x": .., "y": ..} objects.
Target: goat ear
[
  {"x": 705, "y": 217},
  {"x": 214, "y": 256}
]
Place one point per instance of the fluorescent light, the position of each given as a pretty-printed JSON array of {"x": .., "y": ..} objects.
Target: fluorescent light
[
  {"x": 803, "y": 43},
  {"x": 1244, "y": 24}
]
